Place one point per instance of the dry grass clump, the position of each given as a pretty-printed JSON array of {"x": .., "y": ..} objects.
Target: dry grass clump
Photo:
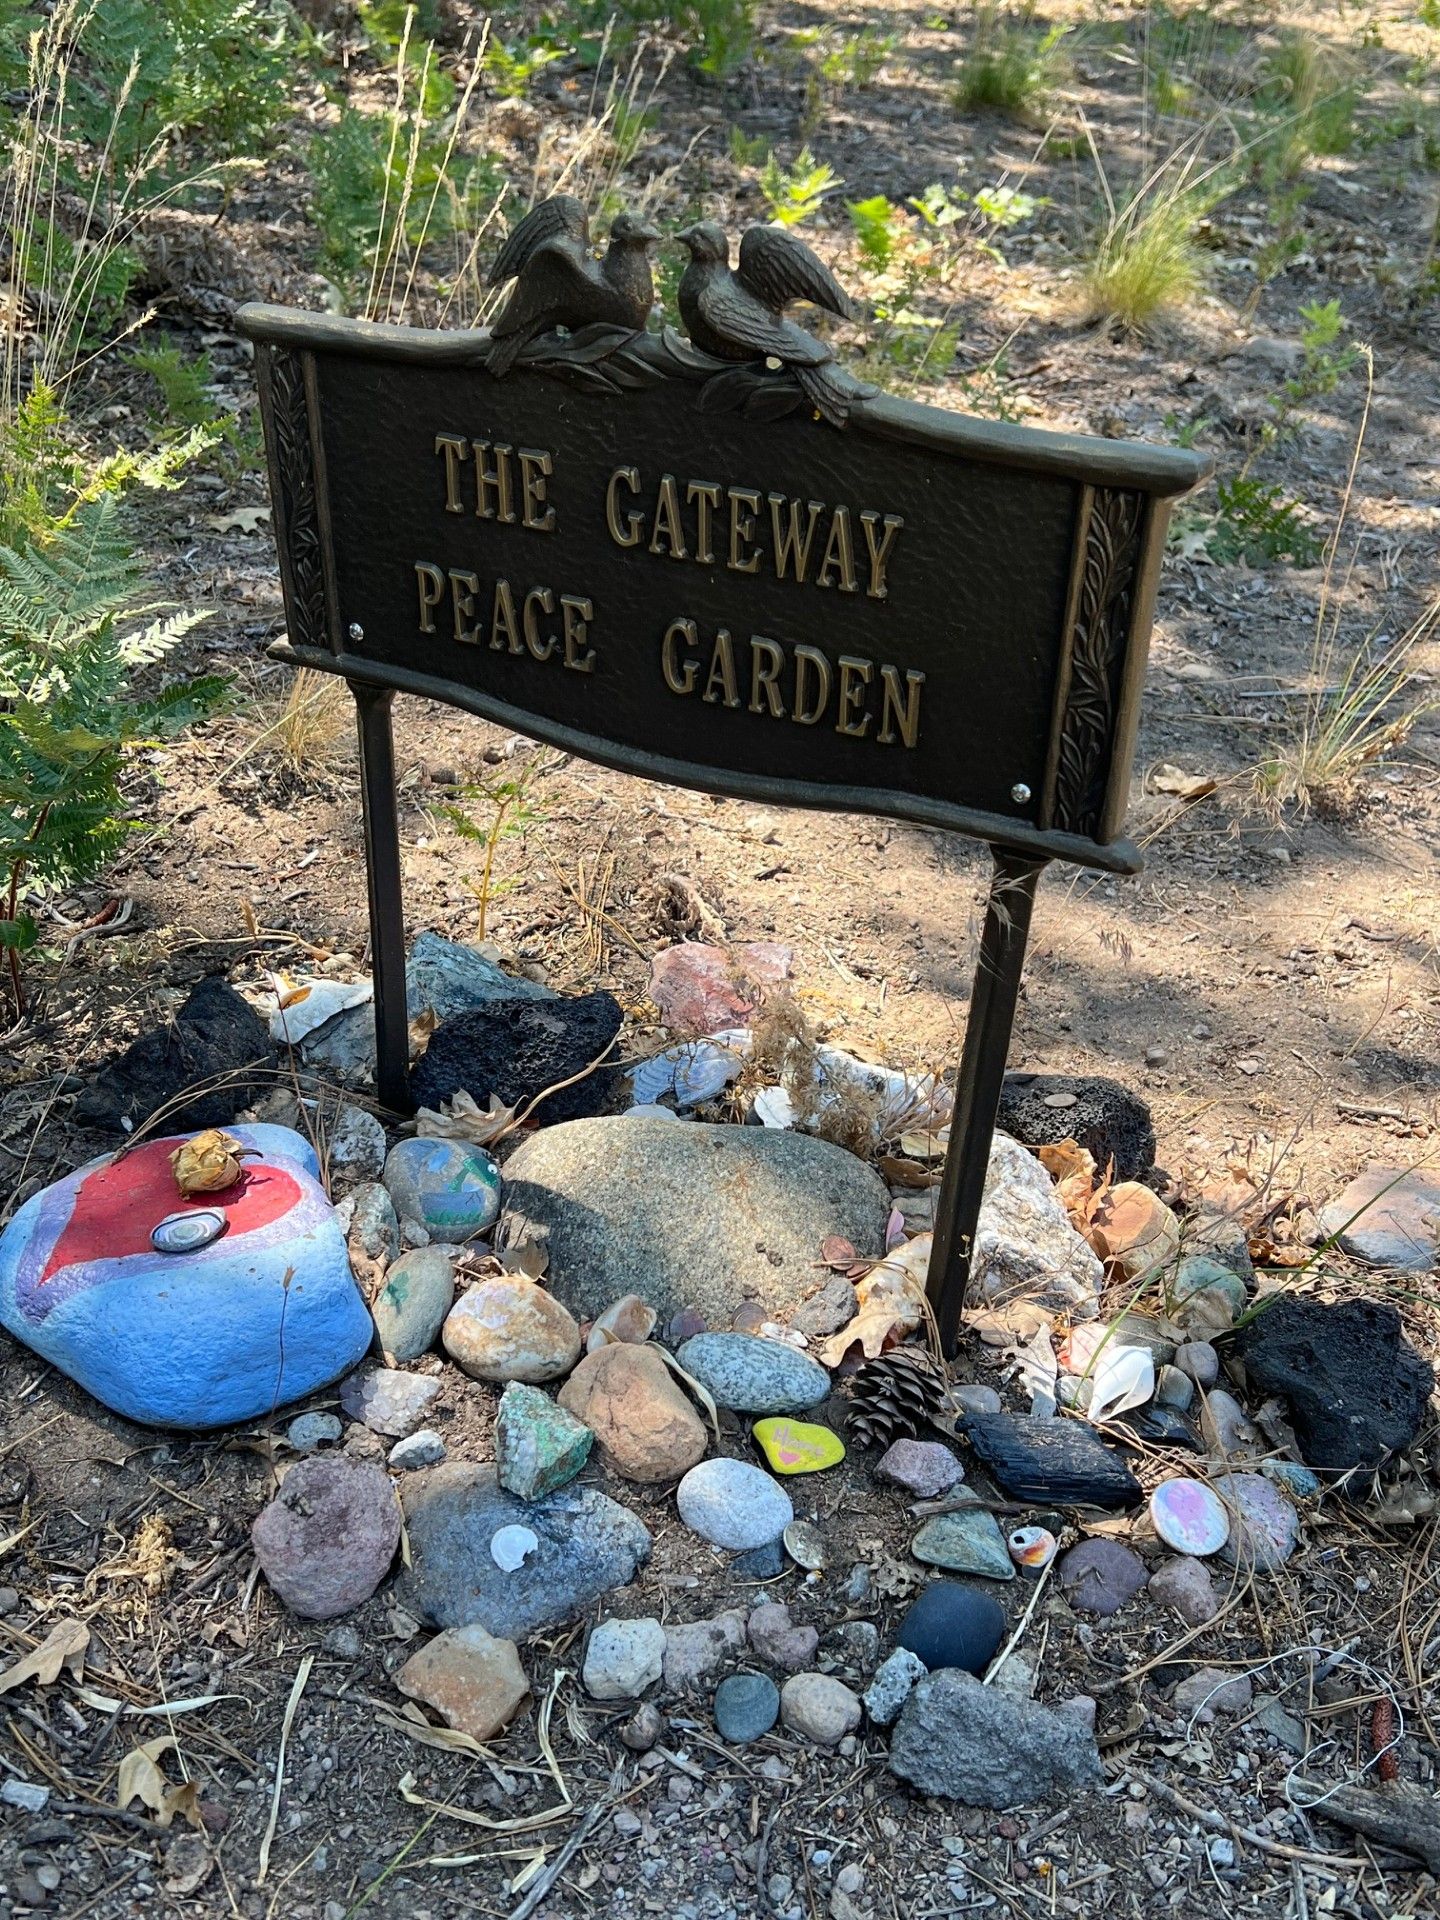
[
  {"x": 785, "y": 1052},
  {"x": 314, "y": 723}
]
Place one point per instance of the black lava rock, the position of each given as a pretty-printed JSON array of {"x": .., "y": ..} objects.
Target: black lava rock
[
  {"x": 517, "y": 1048},
  {"x": 1355, "y": 1387},
  {"x": 214, "y": 1034},
  {"x": 1102, "y": 1116},
  {"x": 952, "y": 1625},
  {"x": 1050, "y": 1460}
]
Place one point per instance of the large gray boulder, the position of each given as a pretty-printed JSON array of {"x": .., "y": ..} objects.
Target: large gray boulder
[
  {"x": 686, "y": 1214},
  {"x": 973, "y": 1743}
]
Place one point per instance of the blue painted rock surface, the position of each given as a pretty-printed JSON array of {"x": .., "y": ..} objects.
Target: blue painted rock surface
[
  {"x": 262, "y": 1316},
  {"x": 451, "y": 1188}
]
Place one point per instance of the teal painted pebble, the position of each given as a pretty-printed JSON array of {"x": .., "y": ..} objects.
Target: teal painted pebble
[
  {"x": 1299, "y": 1482},
  {"x": 451, "y": 1188},
  {"x": 410, "y": 1308}
]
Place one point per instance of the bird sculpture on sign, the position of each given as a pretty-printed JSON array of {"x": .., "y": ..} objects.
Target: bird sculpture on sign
[
  {"x": 740, "y": 315},
  {"x": 560, "y": 283},
  {"x": 732, "y": 315}
]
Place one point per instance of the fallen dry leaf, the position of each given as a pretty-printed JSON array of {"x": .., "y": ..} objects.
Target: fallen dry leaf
[
  {"x": 462, "y": 1118},
  {"x": 1186, "y": 786},
  {"x": 64, "y": 1646},
  {"x": 239, "y": 520},
  {"x": 529, "y": 1258},
  {"x": 890, "y": 1302},
  {"x": 901, "y": 1171},
  {"x": 1015, "y": 1323},
  {"x": 140, "y": 1778},
  {"x": 1080, "y": 1186}
]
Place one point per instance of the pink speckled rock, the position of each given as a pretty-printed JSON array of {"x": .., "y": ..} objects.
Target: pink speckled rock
[{"x": 326, "y": 1540}]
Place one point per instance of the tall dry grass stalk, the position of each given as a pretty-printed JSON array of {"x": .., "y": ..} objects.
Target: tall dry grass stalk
[
  {"x": 63, "y": 233},
  {"x": 314, "y": 723},
  {"x": 1363, "y": 702},
  {"x": 587, "y": 162}
]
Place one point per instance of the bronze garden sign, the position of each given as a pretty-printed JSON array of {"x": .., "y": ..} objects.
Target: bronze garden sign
[{"x": 738, "y": 571}]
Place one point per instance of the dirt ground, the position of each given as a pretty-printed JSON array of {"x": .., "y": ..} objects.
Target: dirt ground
[{"x": 1268, "y": 985}]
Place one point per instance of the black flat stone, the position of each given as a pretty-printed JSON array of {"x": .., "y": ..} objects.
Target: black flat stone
[
  {"x": 1162, "y": 1427},
  {"x": 1050, "y": 1460}
]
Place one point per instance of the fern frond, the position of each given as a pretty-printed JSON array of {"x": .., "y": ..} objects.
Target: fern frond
[{"x": 152, "y": 643}]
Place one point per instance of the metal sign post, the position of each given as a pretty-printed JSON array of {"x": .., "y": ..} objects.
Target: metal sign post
[{"x": 733, "y": 570}]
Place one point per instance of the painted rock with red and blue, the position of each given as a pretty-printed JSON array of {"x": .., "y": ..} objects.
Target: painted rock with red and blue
[{"x": 256, "y": 1309}]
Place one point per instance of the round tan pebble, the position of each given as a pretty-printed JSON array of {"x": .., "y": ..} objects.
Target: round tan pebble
[
  {"x": 510, "y": 1329},
  {"x": 819, "y": 1708}
]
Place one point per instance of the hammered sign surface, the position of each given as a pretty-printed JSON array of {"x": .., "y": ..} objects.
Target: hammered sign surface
[{"x": 796, "y": 1446}]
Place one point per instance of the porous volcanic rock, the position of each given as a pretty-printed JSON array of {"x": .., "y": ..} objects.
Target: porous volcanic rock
[
  {"x": 1039, "y": 1109},
  {"x": 1356, "y": 1389}
]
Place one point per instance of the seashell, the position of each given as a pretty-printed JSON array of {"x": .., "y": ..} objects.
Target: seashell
[
  {"x": 805, "y": 1546},
  {"x": 511, "y": 1547},
  {"x": 1032, "y": 1546},
  {"x": 629, "y": 1320},
  {"x": 187, "y": 1232}
]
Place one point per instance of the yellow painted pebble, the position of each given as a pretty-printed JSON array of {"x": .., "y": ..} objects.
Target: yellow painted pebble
[{"x": 794, "y": 1446}]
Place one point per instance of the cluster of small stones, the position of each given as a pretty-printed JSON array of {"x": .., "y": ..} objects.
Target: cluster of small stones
[{"x": 573, "y": 1394}]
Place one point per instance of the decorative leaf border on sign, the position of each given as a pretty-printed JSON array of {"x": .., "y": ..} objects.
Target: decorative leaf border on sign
[
  {"x": 1102, "y": 627},
  {"x": 295, "y": 471},
  {"x": 606, "y": 359}
]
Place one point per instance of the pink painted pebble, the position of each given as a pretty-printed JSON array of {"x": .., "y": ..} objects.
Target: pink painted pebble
[{"x": 1188, "y": 1517}]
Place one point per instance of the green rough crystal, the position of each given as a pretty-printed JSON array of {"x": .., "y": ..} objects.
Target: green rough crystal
[{"x": 538, "y": 1446}]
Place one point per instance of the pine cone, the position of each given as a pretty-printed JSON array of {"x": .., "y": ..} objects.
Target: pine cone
[{"x": 893, "y": 1398}]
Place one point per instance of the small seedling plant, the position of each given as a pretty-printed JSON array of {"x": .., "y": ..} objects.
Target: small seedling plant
[{"x": 486, "y": 813}]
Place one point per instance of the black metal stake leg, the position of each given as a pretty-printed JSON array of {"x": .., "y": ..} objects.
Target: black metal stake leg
[
  {"x": 387, "y": 901},
  {"x": 978, "y": 1087}
]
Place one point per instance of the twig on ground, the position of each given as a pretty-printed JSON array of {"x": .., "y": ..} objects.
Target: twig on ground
[
  {"x": 546, "y": 1878},
  {"x": 301, "y": 1676},
  {"x": 1408, "y": 1823},
  {"x": 1218, "y": 1823}
]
